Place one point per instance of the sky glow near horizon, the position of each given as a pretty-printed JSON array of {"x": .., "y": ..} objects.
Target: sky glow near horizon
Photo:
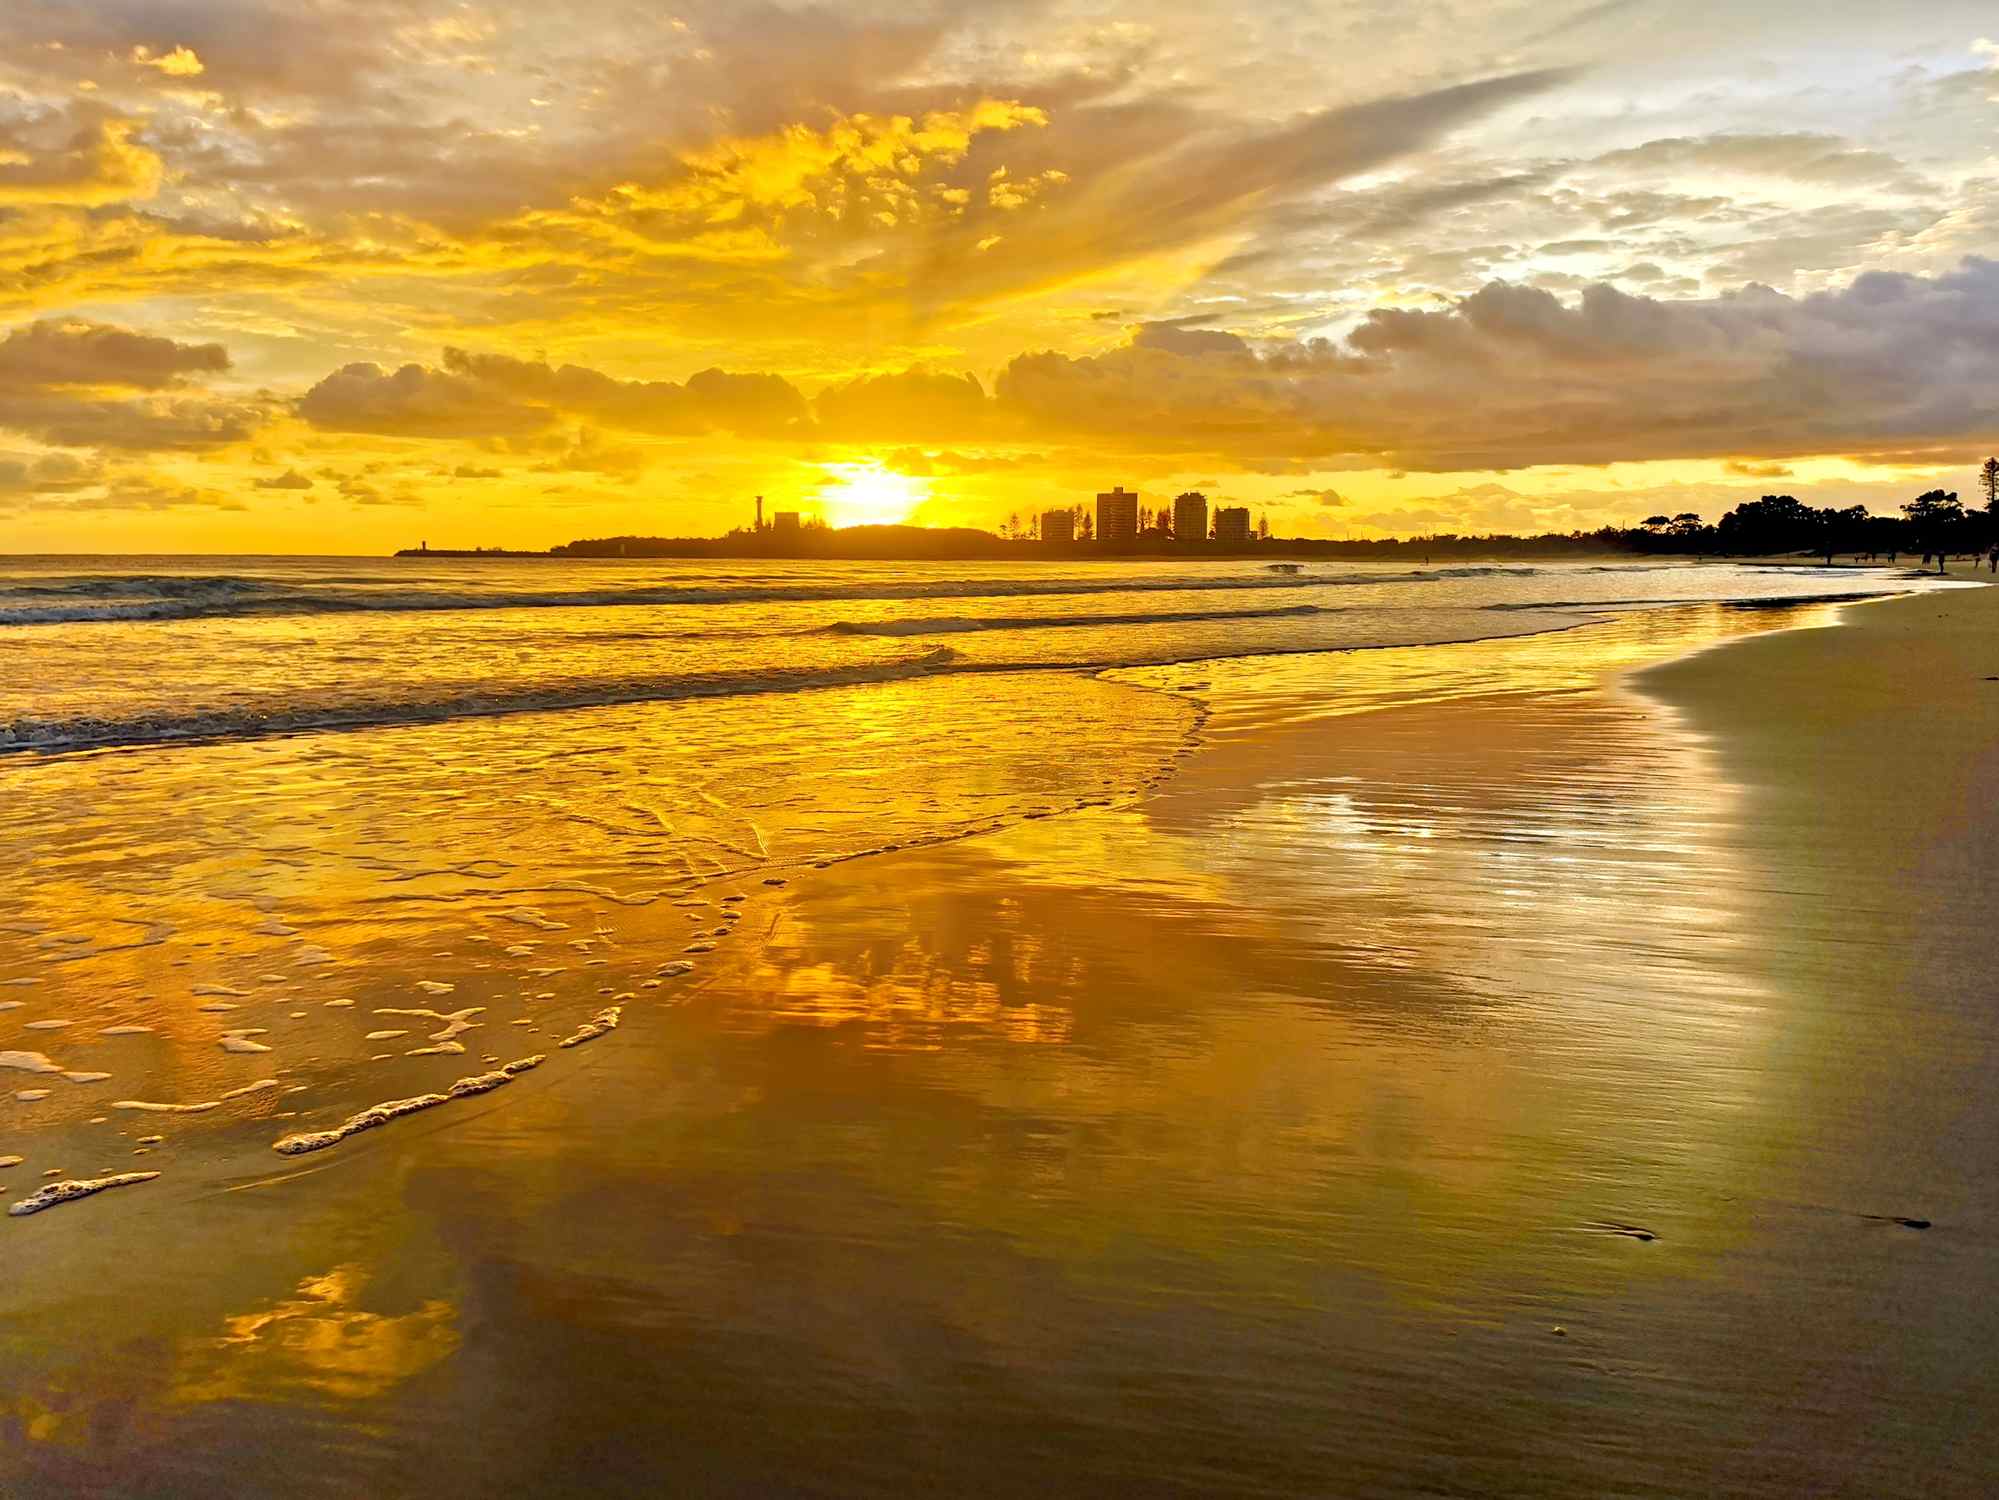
[{"x": 282, "y": 275}]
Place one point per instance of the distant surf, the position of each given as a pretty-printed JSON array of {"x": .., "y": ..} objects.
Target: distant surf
[
  {"x": 182, "y": 597},
  {"x": 158, "y": 651}
]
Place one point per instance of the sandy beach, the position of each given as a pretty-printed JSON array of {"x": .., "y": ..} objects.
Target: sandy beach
[
  {"x": 1494, "y": 1068},
  {"x": 1089, "y": 748}
]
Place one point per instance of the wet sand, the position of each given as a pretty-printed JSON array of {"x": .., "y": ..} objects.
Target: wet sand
[{"x": 1505, "y": 1085}]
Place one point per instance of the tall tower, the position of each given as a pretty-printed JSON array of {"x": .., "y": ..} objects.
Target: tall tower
[
  {"x": 1190, "y": 517},
  {"x": 760, "y": 513},
  {"x": 1117, "y": 516}
]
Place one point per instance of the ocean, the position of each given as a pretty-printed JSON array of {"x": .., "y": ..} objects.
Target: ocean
[{"x": 123, "y": 651}]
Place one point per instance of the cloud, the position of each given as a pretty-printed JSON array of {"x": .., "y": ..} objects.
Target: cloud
[
  {"x": 97, "y": 163},
  {"x": 182, "y": 62},
  {"x": 1509, "y": 377},
  {"x": 59, "y": 352},
  {"x": 587, "y": 451},
  {"x": 1757, "y": 471},
  {"x": 1800, "y": 156},
  {"x": 69, "y": 382},
  {"x": 139, "y": 492},
  {"x": 1330, "y": 499},
  {"x": 931, "y": 462},
  {"x": 416, "y": 401},
  {"x": 153, "y": 424},
  {"x": 499, "y": 396},
  {"x": 913, "y": 406},
  {"x": 1512, "y": 377},
  {"x": 1177, "y": 339},
  {"x": 291, "y": 479},
  {"x": 45, "y": 474}
]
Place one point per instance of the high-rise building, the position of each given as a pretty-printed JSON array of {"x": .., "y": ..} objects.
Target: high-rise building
[
  {"x": 787, "y": 521},
  {"x": 1117, "y": 516},
  {"x": 1190, "y": 517},
  {"x": 1058, "y": 526},
  {"x": 1232, "y": 525}
]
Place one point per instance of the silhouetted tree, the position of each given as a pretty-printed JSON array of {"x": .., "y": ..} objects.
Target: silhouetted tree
[
  {"x": 1934, "y": 518},
  {"x": 1775, "y": 523},
  {"x": 1840, "y": 530},
  {"x": 1988, "y": 480}
]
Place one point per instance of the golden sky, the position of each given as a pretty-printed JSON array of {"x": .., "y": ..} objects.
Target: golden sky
[{"x": 291, "y": 275}]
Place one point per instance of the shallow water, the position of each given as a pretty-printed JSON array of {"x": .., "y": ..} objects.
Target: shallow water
[
  {"x": 167, "y": 649},
  {"x": 1214, "y": 1078}
]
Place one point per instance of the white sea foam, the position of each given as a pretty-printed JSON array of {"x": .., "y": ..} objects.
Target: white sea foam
[
  {"x": 81, "y": 1077},
  {"x": 129, "y": 1029},
  {"x": 393, "y": 1109},
  {"x": 529, "y": 917},
  {"x": 454, "y": 1023},
  {"x": 606, "y": 1020},
  {"x": 31, "y": 1096},
  {"x": 218, "y": 989},
  {"x": 200, "y": 1108},
  {"x": 236, "y": 1041},
  {"x": 11, "y": 1161},
  {"x": 28, "y": 1062},
  {"x": 384, "y": 1036},
  {"x": 435, "y": 986},
  {"x": 70, "y": 1191},
  {"x": 48, "y": 1025}
]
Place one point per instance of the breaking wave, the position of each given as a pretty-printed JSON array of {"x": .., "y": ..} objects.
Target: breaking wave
[
  {"x": 964, "y": 624},
  {"x": 88, "y": 732}
]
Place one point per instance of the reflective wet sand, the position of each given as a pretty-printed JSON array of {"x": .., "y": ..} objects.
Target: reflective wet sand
[{"x": 1475, "y": 1069}]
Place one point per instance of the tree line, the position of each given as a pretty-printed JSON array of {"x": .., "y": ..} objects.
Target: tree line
[{"x": 1935, "y": 526}]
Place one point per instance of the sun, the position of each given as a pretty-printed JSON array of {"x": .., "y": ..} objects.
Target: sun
[{"x": 865, "y": 493}]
